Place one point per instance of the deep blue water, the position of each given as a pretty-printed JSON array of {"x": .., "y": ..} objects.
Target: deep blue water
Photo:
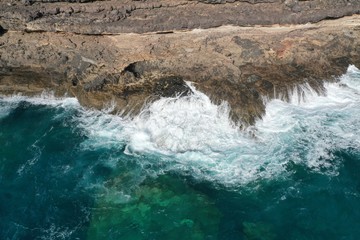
[{"x": 71, "y": 173}]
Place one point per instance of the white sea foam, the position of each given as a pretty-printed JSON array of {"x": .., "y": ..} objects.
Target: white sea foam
[
  {"x": 190, "y": 135},
  {"x": 5, "y": 110},
  {"x": 9, "y": 103},
  {"x": 46, "y": 98},
  {"x": 180, "y": 125}
]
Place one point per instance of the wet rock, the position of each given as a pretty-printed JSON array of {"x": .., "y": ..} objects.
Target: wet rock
[
  {"x": 171, "y": 86},
  {"x": 266, "y": 86}
]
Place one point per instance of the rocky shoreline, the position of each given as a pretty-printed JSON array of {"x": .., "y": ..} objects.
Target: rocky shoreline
[
  {"x": 150, "y": 48},
  {"x": 97, "y": 17}
]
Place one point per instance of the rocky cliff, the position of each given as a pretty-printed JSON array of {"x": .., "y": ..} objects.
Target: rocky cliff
[{"x": 132, "y": 51}]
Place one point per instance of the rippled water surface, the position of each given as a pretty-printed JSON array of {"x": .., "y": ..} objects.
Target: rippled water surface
[{"x": 182, "y": 170}]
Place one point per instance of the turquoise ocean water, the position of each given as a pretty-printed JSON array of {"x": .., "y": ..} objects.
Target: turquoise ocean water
[{"x": 181, "y": 170}]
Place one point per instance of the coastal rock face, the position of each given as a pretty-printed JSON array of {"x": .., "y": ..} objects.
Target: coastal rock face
[
  {"x": 112, "y": 17},
  {"x": 130, "y": 52}
]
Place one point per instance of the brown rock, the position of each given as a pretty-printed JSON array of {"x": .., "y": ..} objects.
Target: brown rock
[
  {"x": 128, "y": 52},
  {"x": 113, "y": 16}
]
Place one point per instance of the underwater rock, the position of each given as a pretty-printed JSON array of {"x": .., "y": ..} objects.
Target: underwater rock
[
  {"x": 154, "y": 206},
  {"x": 258, "y": 231}
]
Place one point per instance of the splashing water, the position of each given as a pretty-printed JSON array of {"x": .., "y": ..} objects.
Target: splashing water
[
  {"x": 72, "y": 173},
  {"x": 192, "y": 135}
]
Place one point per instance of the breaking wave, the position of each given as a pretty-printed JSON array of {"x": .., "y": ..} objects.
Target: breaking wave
[
  {"x": 7, "y": 104},
  {"x": 192, "y": 136}
]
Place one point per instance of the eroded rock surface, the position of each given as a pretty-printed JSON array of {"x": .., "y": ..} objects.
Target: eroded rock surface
[
  {"x": 129, "y": 52},
  {"x": 113, "y": 16}
]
